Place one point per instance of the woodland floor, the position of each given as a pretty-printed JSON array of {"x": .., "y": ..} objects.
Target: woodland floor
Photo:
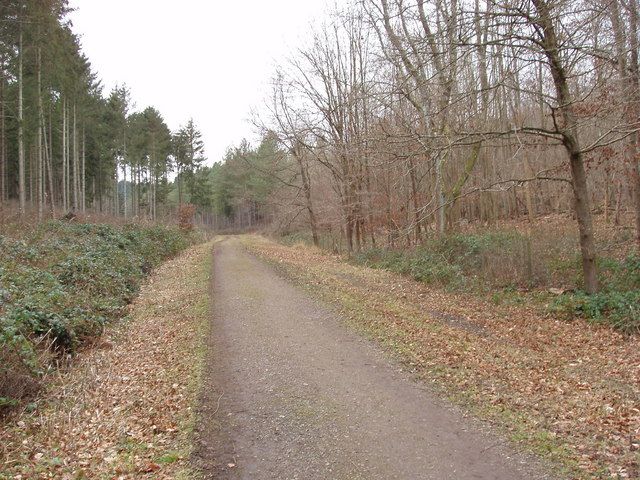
[
  {"x": 124, "y": 408},
  {"x": 569, "y": 391},
  {"x": 317, "y": 368}
]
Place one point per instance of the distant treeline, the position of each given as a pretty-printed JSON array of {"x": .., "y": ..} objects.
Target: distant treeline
[{"x": 64, "y": 146}]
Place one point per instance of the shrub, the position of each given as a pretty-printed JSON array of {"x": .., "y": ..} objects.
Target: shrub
[
  {"x": 500, "y": 259},
  {"x": 185, "y": 216},
  {"x": 504, "y": 262},
  {"x": 618, "y": 302},
  {"x": 63, "y": 283}
]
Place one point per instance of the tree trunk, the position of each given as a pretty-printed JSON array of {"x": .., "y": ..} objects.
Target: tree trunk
[
  {"x": 441, "y": 211},
  {"x": 629, "y": 89},
  {"x": 116, "y": 193},
  {"x": 83, "y": 190},
  {"x": 531, "y": 213},
  {"x": 139, "y": 190},
  {"x": 632, "y": 111},
  {"x": 75, "y": 160},
  {"x": 68, "y": 157},
  {"x": 21, "y": 169},
  {"x": 155, "y": 187},
  {"x": 100, "y": 192},
  {"x": 306, "y": 188},
  {"x": 49, "y": 146},
  {"x": 31, "y": 175},
  {"x": 48, "y": 163},
  {"x": 124, "y": 171},
  {"x": 179, "y": 180},
  {"x": 616, "y": 214},
  {"x": 124, "y": 183},
  {"x": 39, "y": 172},
  {"x": 65, "y": 168},
  {"x": 40, "y": 178},
  {"x": 569, "y": 132},
  {"x": 3, "y": 139},
  {"x": 43, "y": 152}
]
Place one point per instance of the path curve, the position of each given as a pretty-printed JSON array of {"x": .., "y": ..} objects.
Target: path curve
[{"x": 290, "y": 393}]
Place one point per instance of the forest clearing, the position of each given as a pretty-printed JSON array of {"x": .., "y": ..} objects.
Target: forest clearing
[{"x": 367, "y": 239}]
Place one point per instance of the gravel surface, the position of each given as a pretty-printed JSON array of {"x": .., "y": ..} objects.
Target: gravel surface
[{"x": 291, "y": 393}]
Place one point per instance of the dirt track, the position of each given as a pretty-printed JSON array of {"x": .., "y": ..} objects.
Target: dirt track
[{"x": 291, "y": 393}]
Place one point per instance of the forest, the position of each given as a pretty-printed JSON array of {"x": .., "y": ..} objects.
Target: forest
[
  {"x": 422, "y": 262},
  {"x": 65, "y": 146},
  {"x": 403, "y": 121},
  {"x": 396, "y": 122},
  {"x": 69, "y": 153}
]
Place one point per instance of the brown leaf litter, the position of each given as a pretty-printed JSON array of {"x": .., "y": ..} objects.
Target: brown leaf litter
[{"x": 124, "y": 408}]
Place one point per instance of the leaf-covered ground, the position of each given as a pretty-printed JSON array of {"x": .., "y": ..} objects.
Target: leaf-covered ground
[
  {"x": 124, "y": 409},
  {"x": 569, "y": 391}
]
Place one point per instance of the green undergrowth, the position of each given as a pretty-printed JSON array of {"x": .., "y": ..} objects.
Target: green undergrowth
[
  {"x": 482, "y": 262},
  {"x": 618, "y": 301},
  {"x": 60, "y": 283},
  {"x": 514, "y": 268}
]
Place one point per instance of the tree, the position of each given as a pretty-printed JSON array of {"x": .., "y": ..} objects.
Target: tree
[
  {"x": 462, "y": 110},
  {"x": 61, "y": 142},
  {"x": 568, "y": 128},
  {"x": 243, "y": 184},
  {"x": 188, "y": 149},
  {"x": 149, "y": 149},
  {"x": 115, "y": 118}
]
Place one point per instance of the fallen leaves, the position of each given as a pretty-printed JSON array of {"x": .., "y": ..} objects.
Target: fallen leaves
[
  {"x": 150, "y": 468},
  {"x": 124, "y": 408}
]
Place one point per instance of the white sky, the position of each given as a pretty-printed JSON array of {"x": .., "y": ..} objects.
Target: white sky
[{"x": 207, "y": 59}]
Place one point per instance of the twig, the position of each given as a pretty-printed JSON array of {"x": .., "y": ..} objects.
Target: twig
[{"x": 218, "y": 406}]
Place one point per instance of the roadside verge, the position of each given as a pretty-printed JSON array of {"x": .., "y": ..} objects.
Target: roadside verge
[{"x": 125, "y": 408}]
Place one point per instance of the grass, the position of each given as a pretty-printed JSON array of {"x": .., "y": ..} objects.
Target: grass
[
  {"x": 200, "y": 312},
  {"x": 170, "y": 457}
]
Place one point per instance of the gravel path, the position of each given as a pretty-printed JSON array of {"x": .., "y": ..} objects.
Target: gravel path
[{"x": 291, "y": 393}]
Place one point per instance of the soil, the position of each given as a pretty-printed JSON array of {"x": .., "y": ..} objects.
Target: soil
[{"x": 289, "y": 392}]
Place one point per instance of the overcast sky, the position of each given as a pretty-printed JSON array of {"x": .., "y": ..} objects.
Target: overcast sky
[{"x": 207, "y": 59}]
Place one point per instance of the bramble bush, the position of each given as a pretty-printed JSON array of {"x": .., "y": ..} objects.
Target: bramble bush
[{"x": 61, "y": 283}]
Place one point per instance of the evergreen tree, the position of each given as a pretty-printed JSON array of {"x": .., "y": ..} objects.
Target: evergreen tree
[
  {"x": 188, "y": 149},
  {"x": 62, "y": 144}
]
